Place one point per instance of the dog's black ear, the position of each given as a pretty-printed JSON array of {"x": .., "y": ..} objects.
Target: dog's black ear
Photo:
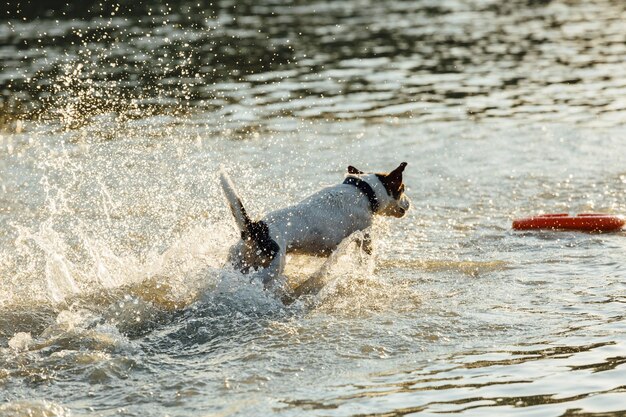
[
  {"x": 399, "y": 170},
  {"x": 354, "y": 171},
  {"x": 395, "y": 176},
  {"x": 393, "y": 180}
]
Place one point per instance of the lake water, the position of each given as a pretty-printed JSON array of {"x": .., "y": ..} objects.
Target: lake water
[{"x": 114, "y": 298}]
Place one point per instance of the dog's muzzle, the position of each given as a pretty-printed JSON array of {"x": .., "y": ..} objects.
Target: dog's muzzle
[{"x": 403, "y": 206}]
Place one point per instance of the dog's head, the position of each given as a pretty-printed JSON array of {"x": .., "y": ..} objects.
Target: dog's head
[{"x": 389, "y": 190}]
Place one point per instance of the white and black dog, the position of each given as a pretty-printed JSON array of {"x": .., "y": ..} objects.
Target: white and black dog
[{"x": 315, "y": 226}]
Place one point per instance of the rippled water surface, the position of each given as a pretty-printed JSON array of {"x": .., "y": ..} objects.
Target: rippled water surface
[{"x": 114, "y": 298}]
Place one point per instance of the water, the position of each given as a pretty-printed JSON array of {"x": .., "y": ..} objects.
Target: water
[{"x": 114, "y": 299}]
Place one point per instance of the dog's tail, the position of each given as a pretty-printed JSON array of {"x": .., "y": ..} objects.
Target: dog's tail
[
  {"x": 234, "y": 201},
  {"x": 255, "y": 233}
]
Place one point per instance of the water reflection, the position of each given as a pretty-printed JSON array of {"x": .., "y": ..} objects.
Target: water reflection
[
  {"x": 254, "y": 61},
  {"x": 491, "y": 382}
]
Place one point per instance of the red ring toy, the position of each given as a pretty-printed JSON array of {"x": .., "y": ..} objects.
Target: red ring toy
[{"x": 589, "y": 222}]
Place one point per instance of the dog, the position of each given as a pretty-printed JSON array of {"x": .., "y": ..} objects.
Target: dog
[{"x": 315, "y": 226}]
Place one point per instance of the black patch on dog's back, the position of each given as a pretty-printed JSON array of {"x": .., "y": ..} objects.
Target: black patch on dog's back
[{"x": 257, "y": 234}]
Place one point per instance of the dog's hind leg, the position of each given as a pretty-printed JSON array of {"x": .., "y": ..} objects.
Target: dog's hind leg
[
  {"x": 259, "y": 256},
  {"x": 237, "y": 257},
  {"x": 271, "y": 274}
]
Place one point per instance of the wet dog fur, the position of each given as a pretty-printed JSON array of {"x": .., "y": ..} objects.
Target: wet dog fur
[{"x": 315, "y": 226}]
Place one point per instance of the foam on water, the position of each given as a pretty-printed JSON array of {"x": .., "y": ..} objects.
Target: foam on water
[{"x": 26, "y": 408}]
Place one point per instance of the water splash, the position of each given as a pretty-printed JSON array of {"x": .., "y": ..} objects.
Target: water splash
[{"x": 33, "y": 408}]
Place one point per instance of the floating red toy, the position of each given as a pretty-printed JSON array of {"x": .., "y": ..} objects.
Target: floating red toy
[{"x": 590, "y": 222}]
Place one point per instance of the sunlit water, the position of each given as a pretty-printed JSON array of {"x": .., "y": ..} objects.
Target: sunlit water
[{"x": 114, "y": 298}]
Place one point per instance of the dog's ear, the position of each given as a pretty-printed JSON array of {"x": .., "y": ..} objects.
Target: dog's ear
[
  {"x": 354, "y": 171},
  {"x": 393, "y": 180},
  {"x": 395, "y": 176}
]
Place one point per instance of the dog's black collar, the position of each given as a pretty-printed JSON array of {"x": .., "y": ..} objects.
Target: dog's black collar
[{"x": 366, "y": 189}]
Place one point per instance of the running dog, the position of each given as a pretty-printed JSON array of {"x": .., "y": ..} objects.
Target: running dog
[{"x": 315, "y": 226}]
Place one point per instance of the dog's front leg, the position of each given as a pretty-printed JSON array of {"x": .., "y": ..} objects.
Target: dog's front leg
[{"x": 365, "y": 242}]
